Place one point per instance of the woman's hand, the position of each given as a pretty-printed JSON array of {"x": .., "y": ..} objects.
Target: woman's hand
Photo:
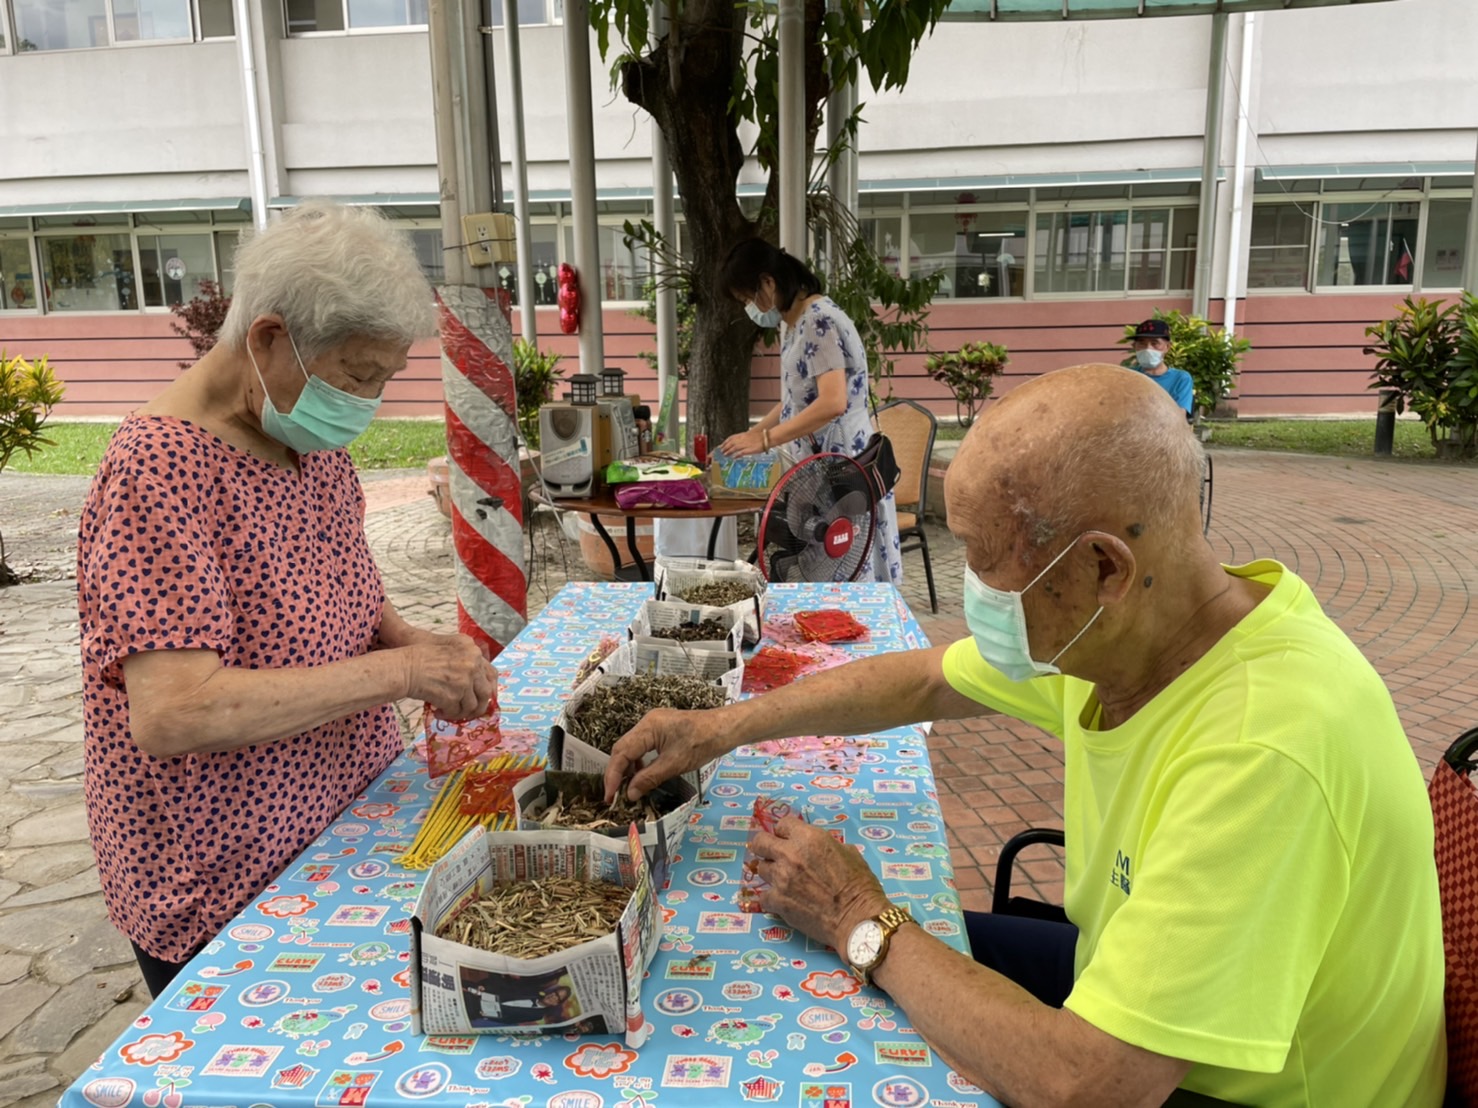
[
  {"x": 744, "y": 444},
  {"x": 450, "y": 673}
]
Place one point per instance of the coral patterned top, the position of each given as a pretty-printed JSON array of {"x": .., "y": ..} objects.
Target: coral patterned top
[{"x": 187, "y": 542}]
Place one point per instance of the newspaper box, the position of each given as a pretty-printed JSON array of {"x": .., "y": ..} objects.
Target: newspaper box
[
  {"x": 663, "y": 615},
  {"x": 672, "y": 577},
  {"x": 593, "y": 988},
  {"x": 569, "y": 752},
  {"x": 661, "y": 840}
]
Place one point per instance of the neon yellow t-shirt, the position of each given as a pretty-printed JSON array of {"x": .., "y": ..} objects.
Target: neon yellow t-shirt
[{"x": 1249, "y": 864}]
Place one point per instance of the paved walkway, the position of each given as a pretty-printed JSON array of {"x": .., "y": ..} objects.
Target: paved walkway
[{"x": 1386, "y": 546}]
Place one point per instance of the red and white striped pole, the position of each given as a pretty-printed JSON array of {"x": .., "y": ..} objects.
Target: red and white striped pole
[{"x": 482, "y": 442}]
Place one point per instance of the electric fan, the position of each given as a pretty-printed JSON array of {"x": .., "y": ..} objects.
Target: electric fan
[{"x": 818, "y": 523}]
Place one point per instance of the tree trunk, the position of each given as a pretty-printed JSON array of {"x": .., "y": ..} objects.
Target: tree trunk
[{"x": 686, "y": 85}]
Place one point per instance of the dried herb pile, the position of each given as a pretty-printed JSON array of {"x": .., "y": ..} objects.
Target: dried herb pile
[
  {"x": 718, "y": 594},
  {"x": 609, "y": 711},
  {"x": 710, "y": 630},
  {"x": 534, "y": 918},
  {"x": 583, "y": 813}
]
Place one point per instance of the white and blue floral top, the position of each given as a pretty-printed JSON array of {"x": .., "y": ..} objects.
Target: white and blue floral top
[{"x": 824, "y": 340}]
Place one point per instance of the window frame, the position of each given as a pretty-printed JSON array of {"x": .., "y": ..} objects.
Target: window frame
[
  {"x": 38, "y": 282},
  {"x": 8, "y": 26},
  {"x": 391, "y": 29},
  {"x": 1328, "y": 192}
]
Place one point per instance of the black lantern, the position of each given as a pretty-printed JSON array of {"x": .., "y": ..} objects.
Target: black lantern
[
  {"x": 582, "y": 389},
  {"x": 612, "y": 381}
]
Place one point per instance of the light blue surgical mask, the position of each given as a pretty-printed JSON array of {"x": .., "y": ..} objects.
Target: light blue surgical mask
[
  {"x": 324, "y": 418},
  {"x": 762, "y": 319},
  {"x": 997, "y": 620},
  {"x": 1149, "y": 358}
]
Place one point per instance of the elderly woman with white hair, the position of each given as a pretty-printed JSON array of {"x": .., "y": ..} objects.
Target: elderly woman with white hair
[{"x": 239, "y": 653}]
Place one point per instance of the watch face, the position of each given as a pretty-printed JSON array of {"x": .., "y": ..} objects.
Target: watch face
[{"x": 865, "y": 943}]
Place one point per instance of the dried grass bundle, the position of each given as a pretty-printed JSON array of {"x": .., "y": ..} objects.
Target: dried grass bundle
[
  {"x": 534, "y": 918},
  {"x": 717, "y": 594},
  {"x": 609, "y": 711},
  {"x": 709, "y": 630}
]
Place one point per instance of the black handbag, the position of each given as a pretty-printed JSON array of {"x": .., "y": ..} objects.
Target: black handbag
[{"x": 881, "y": 466}]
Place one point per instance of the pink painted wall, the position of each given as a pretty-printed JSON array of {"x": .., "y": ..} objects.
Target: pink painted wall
[{"x": 1306, "y": 357}]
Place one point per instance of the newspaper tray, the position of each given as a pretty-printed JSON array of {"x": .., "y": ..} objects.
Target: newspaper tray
[
  {"x": 660, "y": 840},
  {"x": 661, "y": 615},
  {"x": 673, "y": 575},
  {"x": 593, "y": 988}
]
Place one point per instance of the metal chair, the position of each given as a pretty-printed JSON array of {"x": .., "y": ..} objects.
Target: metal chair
[
  {"x": 1002, "y": 902},
  {"x": 1206, "y": 479},
  {"x": 911, "y": 428}
]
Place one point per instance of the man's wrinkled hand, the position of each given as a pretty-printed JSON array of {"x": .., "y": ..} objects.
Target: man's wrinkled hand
[
  {"x": 817, "y": 885},
  {"x": 680, "y": 740}
]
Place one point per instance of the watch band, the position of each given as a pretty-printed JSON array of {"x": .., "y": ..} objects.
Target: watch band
[{"x": 890, "y": 921}]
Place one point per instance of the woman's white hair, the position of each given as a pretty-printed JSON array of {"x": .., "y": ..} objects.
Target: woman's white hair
[{"x": 332, "y": 273}]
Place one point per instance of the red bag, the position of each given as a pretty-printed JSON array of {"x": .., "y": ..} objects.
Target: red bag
[{"x": 829, "y": 625}]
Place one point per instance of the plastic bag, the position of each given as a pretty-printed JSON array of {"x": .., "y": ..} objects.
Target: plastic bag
[
  {"x": 829, "y": 625},
  {"x": 452, "y": 744},
  {"x": 686, "y": 493}
]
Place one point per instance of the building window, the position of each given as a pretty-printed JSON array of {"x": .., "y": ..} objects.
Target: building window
[
  {"x": 17, "y": 275},
  {"x": 171, "y": 268},
  {"x": 531, "y": 13},
  {"x": 152, "y": 21},
  {"x": 1278, "y": 247},
  {"x": 318, "y": 16},
  {"x": 1081, "y": 251},
  {"x": 84, "y": 24},
  {"x": 544, "y": 246},
  {"x": 977, "y": 253},
  {"x": 215, "y": 19},
  {"x": 1447, "y": 237},
  {"x": 1367, "y": 244},
  {"x": 90, "y": 272}
]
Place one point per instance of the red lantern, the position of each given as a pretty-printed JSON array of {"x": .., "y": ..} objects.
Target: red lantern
[{"x": 569, "y": 299}]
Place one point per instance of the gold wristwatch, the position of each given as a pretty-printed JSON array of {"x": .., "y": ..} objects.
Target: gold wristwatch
[{"x": 867, "y": 946}]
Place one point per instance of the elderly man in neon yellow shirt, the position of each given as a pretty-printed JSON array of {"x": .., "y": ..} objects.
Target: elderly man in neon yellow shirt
[{"x": 1253, "y": 901}]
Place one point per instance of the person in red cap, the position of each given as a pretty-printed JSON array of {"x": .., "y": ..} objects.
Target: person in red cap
[{"x": 1151, "y": 344}]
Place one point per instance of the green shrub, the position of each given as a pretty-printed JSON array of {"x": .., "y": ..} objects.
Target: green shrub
[
  {"x": 969, "y": 373},
  {"x": 535, "y": 376},
  {"x": 1428, "y": 354},
  {"x": 29, "y": 391}
]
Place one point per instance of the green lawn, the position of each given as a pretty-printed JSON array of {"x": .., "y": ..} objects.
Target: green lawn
[
  {"x": 410, "y": 443},
  {"x": 388, "y": 444},
  {"x": 1348, "y": 438}
]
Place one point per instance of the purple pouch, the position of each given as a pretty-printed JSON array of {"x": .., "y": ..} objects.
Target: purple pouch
[{"x": 686, "y": 493}]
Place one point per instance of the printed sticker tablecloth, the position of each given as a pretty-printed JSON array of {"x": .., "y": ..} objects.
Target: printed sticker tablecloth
[{"x": 303, "y": 1001}]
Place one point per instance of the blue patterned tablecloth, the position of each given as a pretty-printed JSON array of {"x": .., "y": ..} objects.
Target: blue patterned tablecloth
[{"x": 302, "y": 1001}]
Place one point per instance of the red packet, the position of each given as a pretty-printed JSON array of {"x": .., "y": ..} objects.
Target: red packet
[
  {"x": 452, "y": 744},
  {"x": 829, "y": 625},
  {"x": 771, "y": 668},
  {"x": 768, "y": 812}
]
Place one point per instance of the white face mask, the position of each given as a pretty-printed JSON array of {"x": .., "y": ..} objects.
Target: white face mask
[
  {"x": 997, "y": 620},
  {"x": 1149, "y": 357}
]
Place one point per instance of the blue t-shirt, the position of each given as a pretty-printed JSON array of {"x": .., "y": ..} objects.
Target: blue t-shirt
[{"x": 1178, "y": 383}]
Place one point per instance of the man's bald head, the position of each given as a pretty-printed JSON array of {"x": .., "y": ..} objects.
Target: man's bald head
[{"x": 1088, "y": 447}]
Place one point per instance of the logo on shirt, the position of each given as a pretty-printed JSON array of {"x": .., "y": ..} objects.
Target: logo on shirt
[{"x": 1119, "y": 878}]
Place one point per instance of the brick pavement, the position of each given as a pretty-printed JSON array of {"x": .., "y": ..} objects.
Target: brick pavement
[{"x": 1386, "y": 546}]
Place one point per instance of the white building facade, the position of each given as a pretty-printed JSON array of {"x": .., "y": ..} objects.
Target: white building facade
[{"x": 1051, "y": 170}]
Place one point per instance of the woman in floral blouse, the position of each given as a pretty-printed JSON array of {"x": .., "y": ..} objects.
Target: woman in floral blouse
[
  {"x": 239, "y": 654},
  {"x": 823, "y": 375}
]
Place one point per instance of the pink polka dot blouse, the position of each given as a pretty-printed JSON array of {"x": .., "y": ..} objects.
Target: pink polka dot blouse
[{"x": 186, "y": 542}]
